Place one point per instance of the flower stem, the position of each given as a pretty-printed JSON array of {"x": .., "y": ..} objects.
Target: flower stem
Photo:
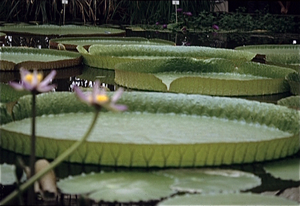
[
  {"x": 53, "y": 164},
  {"x": 31, "y": 198}
]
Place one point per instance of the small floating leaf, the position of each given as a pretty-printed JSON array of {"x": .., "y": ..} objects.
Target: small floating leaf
[
  {"x": 294, "y": 81},
  {"x": 16, "y": 57},
  {"x": 284, "y": 55},
  {"x": 287, "y": 169},
  {"x": 211, "y": 180},
  {"x": 8, "y": 176},
  {"x": 227, "y": 199},
  {"x": 66, "y": 30},
  {"x": 119, "y": 186},
  {"x": 291, "y": 102},
  {"x": 70, "y": 43}
]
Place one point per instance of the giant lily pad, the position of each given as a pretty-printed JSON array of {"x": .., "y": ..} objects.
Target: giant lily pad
[
  {"x": 66, "y": 30},
  {"x": 30, "y": 58},
  {"x": 163, "y": 130},
  {"x": 220, "y": 77},
  {"x": 106, "y": 76},
  {"x": 287, "y": 169},
  {"x": 70, "y": 43},
  {"x": 119, "y": 186},
  {"x": 283, "y": 55},
  {"x": 227, "y": 199},
  {"x": 107, "y": 56},
  {"x": 211, "y": 180}
]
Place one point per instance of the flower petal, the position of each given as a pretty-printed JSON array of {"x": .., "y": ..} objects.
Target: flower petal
[
  {"x": 81, "y": 95},
  {"x": 117, "y": 94},
  {"x": 48, "y": 78},
  {"x": 16, "y": 86},
  {"x": 96, "y": 91},
  {"x": 28, "y": 86},
  {"x": 45, "y": 88},
  {"x": 23, "y": 73},
  {"x": 35, "y": 80},
  {"x": 119, "y": 107}
]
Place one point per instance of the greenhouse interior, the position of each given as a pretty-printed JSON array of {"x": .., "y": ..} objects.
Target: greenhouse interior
[{"x": 217, "y": 80}]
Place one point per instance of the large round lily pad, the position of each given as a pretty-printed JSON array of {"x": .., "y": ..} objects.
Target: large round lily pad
[
  {"x": 107, "y": 56},
  {"x": 211, "y": 180},
  {"x": 119, "y": 186},
  {"x": 164, "y": 130},
  {"x": 283, "y": 55},
  {"x": 227, "y": 199},
  {"x": 13, "y": 58},
  {"x": 214, "y": 76},
  {"x": 106, "y": 76},
  {"x": 66, "y": 30},
  {"x": 70, "y": 43}
]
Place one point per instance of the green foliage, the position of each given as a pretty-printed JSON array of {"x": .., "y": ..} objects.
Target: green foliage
[
  {"x": 134, "y": 145},
  {"x": 146, "y": 13}
]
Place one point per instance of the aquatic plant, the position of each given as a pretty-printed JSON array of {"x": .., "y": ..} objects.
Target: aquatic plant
[{"x": 33, "y": 82}]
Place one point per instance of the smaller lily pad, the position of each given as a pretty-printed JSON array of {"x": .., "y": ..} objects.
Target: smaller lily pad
[
  {"x": 9, "y": 94},
  {"x": 211, "y": 180},
  {"x": 7, "y": 172},
  {"x": 282, "y": 55},
  {"x": 13, "y": 58},
  {"x": 292, "y": 102},
  {"x": 118, "y": 186},
  {"x": 294, "y": 81},
  {"x": 227, "y": 199},
  {"x": 287, "y": 169},
  {"x": 66, "y": 30},
  {"x": 70, "y": 43}
]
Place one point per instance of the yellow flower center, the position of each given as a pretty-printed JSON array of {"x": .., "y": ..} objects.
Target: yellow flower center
[
  {"x": 102, "y": 98},
  {"x": 29, "y": 77}
]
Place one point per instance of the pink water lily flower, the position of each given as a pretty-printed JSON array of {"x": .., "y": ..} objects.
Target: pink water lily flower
[
  {"x": 215, "y": 27},
  {"x": 188, "y": 13},
  {"x": 34, "y": 81},
  {"x": 98, "y": 98}
]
